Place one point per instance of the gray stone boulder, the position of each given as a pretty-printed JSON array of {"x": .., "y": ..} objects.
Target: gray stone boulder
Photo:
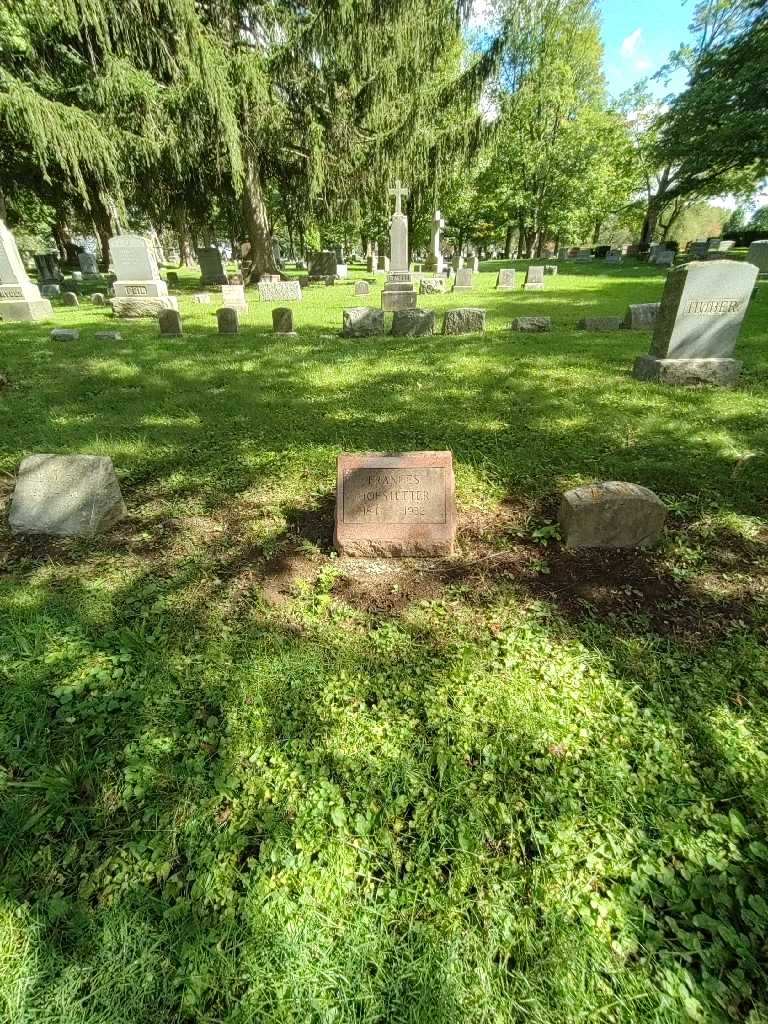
[
  {"x": 466, "y": 320},
  {"x": 432, "y": 286},
  {"x": 66, "y": 496},
  {"x": 531, "y": 324},
  {"x": 362, "y": 322},
  {"x": 600, "y": 323},
  {"x": 413, "y": 323},
  {"x": 611, "y": 515}
]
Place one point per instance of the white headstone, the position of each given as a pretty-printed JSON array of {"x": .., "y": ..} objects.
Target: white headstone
[
  {"x": 435, "y": 261},
  {"x": 139, "y": 290},
  {"x": 19, "y": 298},
  {"x": 398, "y": 232}
]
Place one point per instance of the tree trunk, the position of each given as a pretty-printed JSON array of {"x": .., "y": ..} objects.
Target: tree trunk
[
  {"x": 520, "y": 237},
  {"x": 508, "y": 243},
  {"x": 257, "y": 221},
  {"x": 596, "y": 232},
  {"x": 649, "y": 225},
  {"x": 3, "y": 207},
  {"x": 102, "y": 222},
  {"x": 182, "y": 233}
]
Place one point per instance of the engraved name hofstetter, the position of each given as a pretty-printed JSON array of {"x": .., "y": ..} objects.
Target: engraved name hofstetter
[{"x": 385, "y": 494}]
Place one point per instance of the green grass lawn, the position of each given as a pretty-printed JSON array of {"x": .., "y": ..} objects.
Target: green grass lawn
[{"x": 244, "y": 780}]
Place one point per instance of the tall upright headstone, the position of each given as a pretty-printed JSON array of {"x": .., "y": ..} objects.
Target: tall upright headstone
[
  {"x": 139, "y": 290},
  {"x": 758, "y": 255},
  {"x": 211, "y": 266},
  {"x": 701, "y": 312},
  {"x": 20, "y": 299},
  {"x": 434, "y": 261},
  {"x": 398, "y": 292}
]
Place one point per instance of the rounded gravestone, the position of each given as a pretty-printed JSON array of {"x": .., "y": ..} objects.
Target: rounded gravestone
[
  {"x": 362, "y": 288},
  {"x": 282, "y": 320},
  {"x": 615, "y": 514},
  {"x": 98, "y": 299},
  {"x": 228, "y": 320},
  {"x": 69, "y": 299},
  {"x": 170, "y": 322}
]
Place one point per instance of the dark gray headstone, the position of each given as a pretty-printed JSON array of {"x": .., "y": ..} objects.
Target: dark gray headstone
[
  {"x": 282, "y": 320},
  {"x": 170, "y": 322},
  {"x": 228, "y": 320},
  {"x": 211, "y": 266},
  {"x": 600, "y": 323},
  {"x": 172, "y": 278},
  {"x": 65, "y": 334},
  {"x": 641, "y": 316}
]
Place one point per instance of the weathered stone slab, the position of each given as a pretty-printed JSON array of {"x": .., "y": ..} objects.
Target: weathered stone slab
[
  {"x": 279, "y": 291},
  {"x": 505, "y": 280},
  {"x": 641, "y": 316},
  {"x": 211, "y": 266},
  {"x": 413, "y": 323},
  {"x": 233, "y": 296},
  {"x": 282, "y": 320},
  {"x": 108, "y": 336},
  {"x": 65, "y": 334},
  {"x": 463, "y": 282},
  {"x": 600, "y": 323},
  {"x": 395, "y": 505},
  {"x": 227, "y": 320},
  {"x": 611, "y": 515},
  {"x": 534, "y": 279},
  {"x": 363, "y": 322},
  {"x": 49, "y": 291},
  {"x": 432, "y": 286},
  {"x": 466, "y": 320},
  {"x": 169, "y": 321},
  {"x": 66, "y": 496},
  {"x": 362, "y": 288},
  {"x": 531, "y": 324},
  {"x": 69, "y": 299},
  {"x": 687, "y": 372},
  {"x": 134, "y": 308}
]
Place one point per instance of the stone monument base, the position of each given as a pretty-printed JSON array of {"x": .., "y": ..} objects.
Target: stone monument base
[
  {"x": 139, "y": 289},
  {"x": 683, "y": 372},
  {"x": 25, "y": 309},
  {"x": 398, "y": 292},
  {"x": 133, "y": 307}
]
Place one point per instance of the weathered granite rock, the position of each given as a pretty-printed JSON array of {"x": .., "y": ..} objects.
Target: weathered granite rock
[
  {"x": 611, "y": 515},
  {"x": 69, "y": 299},
  {"x": 413, "y": 323},
  {"x": 131, "y": 307},
  {"x": 362, "y": 288},
  {"x": 466, "y": 320},
  {"x": 170, "y": 322},
  {"x": 641, "y": 316},
  {"x": 395, "y": 505},
  {"x": 227, "y": 320},
  {"x": 66, "y": 496},
  {"x": 531, "y": 324},
  {"x": 65, "y": 334},
  {"x": 432, "y": 286},
  {"x": 282, "y": 320},
  {"x": 280, "y": 291},
  {"x": 363, "y": 322},
  {"x": 600, "y": 323}
]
